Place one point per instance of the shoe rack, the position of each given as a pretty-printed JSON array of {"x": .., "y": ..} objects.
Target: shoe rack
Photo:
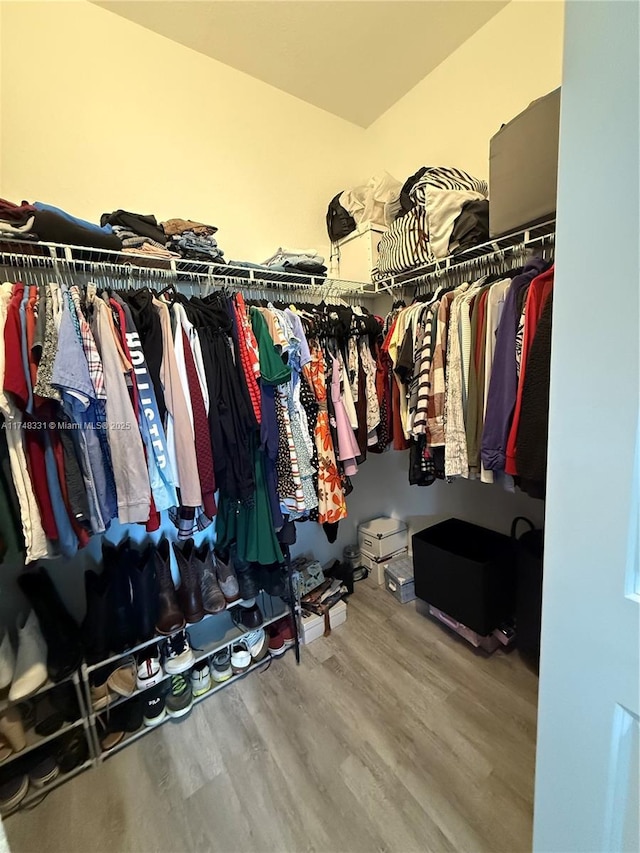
[
  {"x": 20, "y": 759},
  {"x": 212, "y": 634}
]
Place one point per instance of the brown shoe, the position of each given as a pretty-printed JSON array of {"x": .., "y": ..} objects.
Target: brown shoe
[
  {"x": 212, "y": 595},
  {"x": 170, "y": 617},
  {"x": 189, "y": 592},
  {"x": 12, "y": 730}
]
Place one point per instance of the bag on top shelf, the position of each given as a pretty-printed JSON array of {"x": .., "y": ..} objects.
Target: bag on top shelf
[
  {"x": 377, "y": 203},
  {"x": 421, "y": 233}
]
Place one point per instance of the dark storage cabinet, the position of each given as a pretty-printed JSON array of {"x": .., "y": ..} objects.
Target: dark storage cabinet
[{"x": 466, "y": 571}]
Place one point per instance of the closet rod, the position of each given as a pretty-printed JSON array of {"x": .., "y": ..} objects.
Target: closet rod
[
  {"x": 16, "y": 254},
  {"x": 498, "y": 247}
]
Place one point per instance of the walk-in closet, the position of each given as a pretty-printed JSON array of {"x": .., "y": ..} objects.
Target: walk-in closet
[{"x": 319, "y": 485}]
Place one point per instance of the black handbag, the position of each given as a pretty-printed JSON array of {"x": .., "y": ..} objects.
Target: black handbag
[
  {"x": 529, "y": 559},
  {"x": 340, "y": 223}
]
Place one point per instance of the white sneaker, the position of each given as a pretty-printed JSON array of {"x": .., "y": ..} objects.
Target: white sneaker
[
  {"x": 149, "y": 670},
  {"x": 240, "y": 657},
  {"x": 7, "y": 661},
  {"x": 178, "y": 655},
  {"x": 31, "y": 661},
  {"x": 200, "y": 678},
  {"x": 257, "y": 643}
]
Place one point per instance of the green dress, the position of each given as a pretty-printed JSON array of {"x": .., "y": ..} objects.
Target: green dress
[{"x": 251, "y": 524}]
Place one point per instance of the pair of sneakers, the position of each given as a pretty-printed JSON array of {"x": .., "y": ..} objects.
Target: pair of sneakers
[
  {"x": 217, "y": 669},
  {"x": 160, "y": 703},
  {"x": 281, "y": 636},
  {"x": 249, "y": 649}
]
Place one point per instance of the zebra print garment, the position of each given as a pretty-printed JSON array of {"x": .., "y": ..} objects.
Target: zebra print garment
[
  {"x": 447, "y": 178},
  {"x": 439, "y": 195}
]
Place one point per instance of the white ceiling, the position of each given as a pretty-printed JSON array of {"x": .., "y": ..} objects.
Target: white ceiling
[{"x": 353, "y": 58}]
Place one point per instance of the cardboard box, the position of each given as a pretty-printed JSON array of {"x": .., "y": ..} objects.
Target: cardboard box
[
  {"x": 381, "y": 537},
  {"x": 312, "y": 627},
  {"x": 523, "y": 167}
]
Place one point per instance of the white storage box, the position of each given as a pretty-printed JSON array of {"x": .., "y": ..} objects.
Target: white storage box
[
  {"x": 398, "y": 579},
  {"x": 382, "y": 537},
  {"x": 376, "y": 567},
  {"x": 312, "y": 626},
  {"x": 358, "y": 252}
]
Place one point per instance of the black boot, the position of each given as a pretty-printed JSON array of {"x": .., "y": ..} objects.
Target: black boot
[
  {"x": 122, "y": 627},
  {"x": 247, "y": 574},
  {"x": 142, "y": 571},
  {"x": 95, "y": 626},
  {"x": 59, "y": 629}
]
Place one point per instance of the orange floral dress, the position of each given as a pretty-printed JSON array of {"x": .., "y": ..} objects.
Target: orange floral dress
[{"x": 332, "y": 505}]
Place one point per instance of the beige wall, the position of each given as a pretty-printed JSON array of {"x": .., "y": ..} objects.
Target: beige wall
[
  {"x": 450, "y": 116},
  {"x": 113, "y": 115},
  {"x": 100, "y": 113}
]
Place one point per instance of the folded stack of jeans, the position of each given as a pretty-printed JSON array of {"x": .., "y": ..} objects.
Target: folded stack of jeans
[{"x": 196, "y": 247}]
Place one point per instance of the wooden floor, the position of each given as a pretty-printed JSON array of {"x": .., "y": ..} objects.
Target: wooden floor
[{"x": 392, "y": 735}]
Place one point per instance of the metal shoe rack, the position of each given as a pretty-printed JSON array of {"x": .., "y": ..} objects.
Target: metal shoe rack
[
  {"x": 34, "y": 741},
  {"x": 209, "y": 636},
  {"x": 214, "y": 633}
]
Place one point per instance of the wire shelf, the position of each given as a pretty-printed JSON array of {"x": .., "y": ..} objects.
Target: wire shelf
[
  {"x": 132, "y": 268},
  {"x": 497, "y": 249}
]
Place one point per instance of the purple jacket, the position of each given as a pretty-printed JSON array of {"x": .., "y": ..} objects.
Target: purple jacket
[{"x": 503, "y": 386}]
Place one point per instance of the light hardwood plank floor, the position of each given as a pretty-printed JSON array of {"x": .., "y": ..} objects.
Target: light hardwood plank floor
[{"x": 393, "y": 735}]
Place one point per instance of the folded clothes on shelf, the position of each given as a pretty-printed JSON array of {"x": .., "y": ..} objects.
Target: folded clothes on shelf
[
  {"x": 196, "y": 247},
  {"x": 8, "y": 227},
  {"x": 306, "y": 261},
  {"x": 15, "y": 214},
  {"x": 178, "y": 226},
  {"x": 131, "y": 240},
  {"x": 40, "y": 221},
  {"x": 284, "y": 253},
  {"x": 141, "y": 224},
  {"x": 147, "y": 247}
]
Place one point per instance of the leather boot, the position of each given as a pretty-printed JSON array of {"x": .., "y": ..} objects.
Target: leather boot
[
  {"x": 122, "y": 631},
  {"x": 95, "y": 625},
  {"x": 59, "y": 629},
  {"x": 246, "y": 573},
  {"x": 170, "y": 617},
  {"x": 189, "y": 591},
  {"x": 142, "y": 571},
  {"x": 212, "y": 596}
]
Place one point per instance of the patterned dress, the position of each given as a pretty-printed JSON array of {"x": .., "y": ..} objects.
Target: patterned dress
[{"x": 332, "y": 506}]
